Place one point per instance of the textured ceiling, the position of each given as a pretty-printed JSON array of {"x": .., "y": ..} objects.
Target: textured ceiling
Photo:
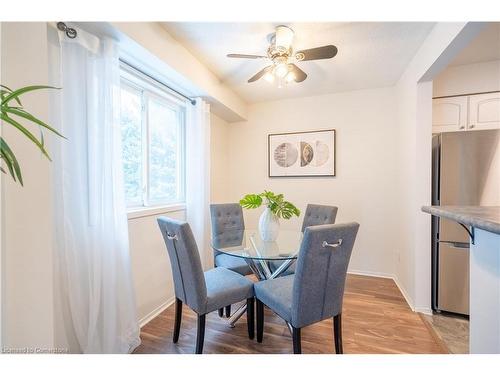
[{"x": 370, "y": 55}]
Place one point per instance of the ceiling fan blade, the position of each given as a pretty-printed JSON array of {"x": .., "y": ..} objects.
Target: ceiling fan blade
[
  {"x": 243, "y": 56},
  {"x": 300, "y": 75},
  {"x": 318, "y": 53},
  {"x": 260, "y": 73}
]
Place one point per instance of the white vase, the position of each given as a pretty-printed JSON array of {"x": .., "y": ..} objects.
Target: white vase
[{"x": 269, "y": 225}]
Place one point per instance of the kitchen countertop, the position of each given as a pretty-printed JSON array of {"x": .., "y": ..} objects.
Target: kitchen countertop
[{"x": 486, "y": 218}]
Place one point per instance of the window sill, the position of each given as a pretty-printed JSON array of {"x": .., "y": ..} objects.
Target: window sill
[{"x": 137, "y": 213}]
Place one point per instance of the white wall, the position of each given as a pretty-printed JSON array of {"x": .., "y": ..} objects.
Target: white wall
[
  {"x": 151, "y": 270},
  {"x": 413, "y": 102},
  {"x": 364, "y": 188},
  {"x": 468, "y": 79},
  {"x": 27, "y": 258}
]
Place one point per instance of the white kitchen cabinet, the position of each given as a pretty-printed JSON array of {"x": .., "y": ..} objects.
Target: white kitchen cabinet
[
  {"x": 484, "y": 111},
  {"x": 449, "y": 114}
]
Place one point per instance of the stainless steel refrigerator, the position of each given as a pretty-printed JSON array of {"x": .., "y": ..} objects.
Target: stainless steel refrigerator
[{"x": 465, "y": 171}]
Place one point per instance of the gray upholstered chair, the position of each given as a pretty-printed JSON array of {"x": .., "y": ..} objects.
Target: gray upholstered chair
[
  {"x": 228, "y": 217},
  {"x": 316, "y": 214},
  {"x": 203, "y": 292},
  {"x": 316, "y": 290}
]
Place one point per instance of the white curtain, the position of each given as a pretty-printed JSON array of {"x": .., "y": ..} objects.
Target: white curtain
[
  {"x": 91, "y": 223},
  {"x": 198, "y": 176}
]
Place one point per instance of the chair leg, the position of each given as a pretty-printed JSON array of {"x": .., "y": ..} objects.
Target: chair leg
[
  {"x": 250, "y": 318},
  {"x": 296, "y": 341},
  {"x": 178, "y": 318},
  {"x": 260, "y": 320},
  {"x": 200, "y": 335},
  {"x": 221, "y": 312},
  {"x": 337, "y": 333},
  {"x": 228, "y": 311}
]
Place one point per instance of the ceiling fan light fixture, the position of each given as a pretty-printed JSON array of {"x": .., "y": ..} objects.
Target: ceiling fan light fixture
[
  {"x": 290, "y": 77},
  {"x": 269, "y": 77},
  {"x": 284, "y": 37},
  {"x": 280, "y": 70}
]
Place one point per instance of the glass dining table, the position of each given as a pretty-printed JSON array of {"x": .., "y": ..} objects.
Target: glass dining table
[{"x": 258, "y": 254}]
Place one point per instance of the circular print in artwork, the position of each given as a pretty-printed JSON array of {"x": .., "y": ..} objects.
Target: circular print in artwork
[
  {"x": 285, "y": 155},
  {"x": 306, "y": 154},
  {"x": 322, "y": 153}
]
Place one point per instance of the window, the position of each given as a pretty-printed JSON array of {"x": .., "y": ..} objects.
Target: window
[{"x": 153, "y": 129}]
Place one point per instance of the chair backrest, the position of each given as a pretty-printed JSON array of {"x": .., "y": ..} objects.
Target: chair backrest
[
  {"x": 318, "y": 288},
  {"x": 227, "y": 219},
  {"x": 189, "y": 280},
  {"x": 317, "y": 214}
]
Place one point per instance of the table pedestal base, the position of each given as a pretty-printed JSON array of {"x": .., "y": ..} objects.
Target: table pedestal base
[{"x": 260, "y": 268}]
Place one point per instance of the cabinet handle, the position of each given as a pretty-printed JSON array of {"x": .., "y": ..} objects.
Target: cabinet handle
[
  {"x": 462, "y": 127},
  {"x": 471, "y": 126}
]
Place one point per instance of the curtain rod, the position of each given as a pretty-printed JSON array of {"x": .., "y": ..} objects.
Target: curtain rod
[
  {"x": 191, "y": 100},
  {"x": 70, "y": 32}
]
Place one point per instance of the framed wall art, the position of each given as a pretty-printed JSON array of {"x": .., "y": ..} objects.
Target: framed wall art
[{"x": 302, "y": 154}]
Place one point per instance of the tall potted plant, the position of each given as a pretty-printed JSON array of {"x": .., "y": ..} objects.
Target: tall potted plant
[
  {"x": 11, "y": 112},
  {"x": 276, "y": 208}
]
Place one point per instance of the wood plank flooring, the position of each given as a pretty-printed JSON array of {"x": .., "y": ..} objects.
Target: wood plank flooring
[{"x": 375, "y": 317}]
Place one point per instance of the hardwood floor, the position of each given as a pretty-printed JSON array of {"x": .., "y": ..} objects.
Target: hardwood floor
[{"x": 375, "y": 317}]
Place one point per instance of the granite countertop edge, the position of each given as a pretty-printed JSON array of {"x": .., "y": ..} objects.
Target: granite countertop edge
[{"x": 474, "y": 216}]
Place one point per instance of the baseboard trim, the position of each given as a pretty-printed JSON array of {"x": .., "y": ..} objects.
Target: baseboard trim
[
  {"x": 423, "y": 310},
  {"x": 372, "y": 274},
  {"x": 398, "y": 284},
  {"x": 157, "y": 311},
  {"x": 404, "y": 293}
]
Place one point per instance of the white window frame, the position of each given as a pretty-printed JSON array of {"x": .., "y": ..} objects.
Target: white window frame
[{"x": 149, "y": 89}]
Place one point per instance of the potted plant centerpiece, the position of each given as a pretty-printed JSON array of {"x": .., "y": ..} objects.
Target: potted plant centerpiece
[{"x": 276, "y": 207}]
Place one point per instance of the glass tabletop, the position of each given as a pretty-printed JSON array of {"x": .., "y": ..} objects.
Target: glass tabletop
[{"x": 249, "y": 244}]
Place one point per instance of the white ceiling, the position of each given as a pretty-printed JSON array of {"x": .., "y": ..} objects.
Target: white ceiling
[
  {"x": 370, "y": 54},
  {"x": 485, "y": 47}
]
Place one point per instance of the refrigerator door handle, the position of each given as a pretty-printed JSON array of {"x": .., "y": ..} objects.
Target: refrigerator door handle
[{"x": 457, "y": 245}]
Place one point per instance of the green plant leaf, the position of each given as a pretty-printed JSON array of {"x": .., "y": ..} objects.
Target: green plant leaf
[
  {"x": 11, "y": 161},
  {"x": 8, "y": 90},
  {"x": 6, "y": 154},
  {"x": 26, "y": 132},
  {"x": 18, "y": 92},
  {"x": 8, "y": 161},
  {"x": 275, "y": 202},
  {"x": 22, "y": 113},
  {"x": 251, "y": 201}
]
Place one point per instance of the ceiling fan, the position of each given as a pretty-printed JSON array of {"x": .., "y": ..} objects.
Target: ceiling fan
[{"x": 283, "y": 58}]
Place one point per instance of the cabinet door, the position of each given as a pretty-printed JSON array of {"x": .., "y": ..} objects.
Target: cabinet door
[
  {"x": 449, "y": 114},
  {"x": 484, "y": 111}
]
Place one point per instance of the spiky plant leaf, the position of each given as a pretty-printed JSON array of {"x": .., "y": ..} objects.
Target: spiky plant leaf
[
  {"x": 6, "y": 96},
  {"x": 10, "y": 159},
  {"x": 26, "y": 132},
  {"x": 16, "y": 93},
  {"x": 22, "y": 113}
]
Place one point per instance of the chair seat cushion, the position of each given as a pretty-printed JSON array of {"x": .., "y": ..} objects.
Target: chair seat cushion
[
  {"x": 233, "y": 263},
  {"x": 277, "y": 295},
  {"x": 225, "y": 287}
]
